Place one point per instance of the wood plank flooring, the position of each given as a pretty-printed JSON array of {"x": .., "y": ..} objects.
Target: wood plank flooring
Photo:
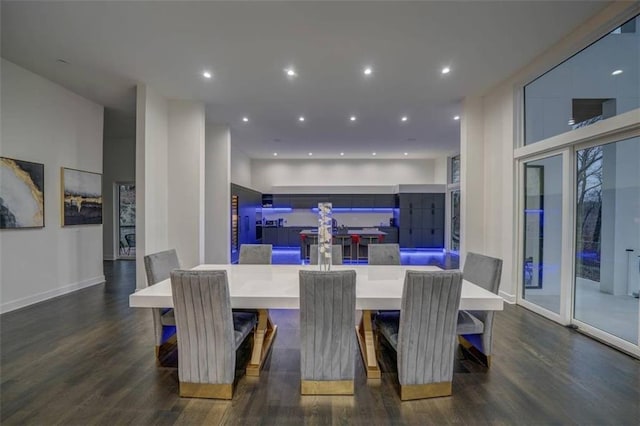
[{"x": 87, "y": 358}]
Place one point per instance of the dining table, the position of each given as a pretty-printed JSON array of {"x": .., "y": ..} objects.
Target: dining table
[{"x": 265, "y": 287}]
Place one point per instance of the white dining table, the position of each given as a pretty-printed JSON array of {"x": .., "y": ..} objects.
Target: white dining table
[{"x": 264, "y": 287}]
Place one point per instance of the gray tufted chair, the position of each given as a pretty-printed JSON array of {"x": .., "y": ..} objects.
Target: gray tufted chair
[
  {"x": 475, "y": 327},
  {"x": 384, "y": 254},
  {"x": 208, "y": 333},
  {"x": 327, "y": 338},
  {"x": 424, "y": 333},
  {"x": 158, "y": 267},
  {"x": 336, "y": 255},
  {"x": 255, "y": 254}
]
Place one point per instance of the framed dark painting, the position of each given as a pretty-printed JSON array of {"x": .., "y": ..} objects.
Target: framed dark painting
[
  {"x": 21, "y": 194},
  {"x": 81, "y": 197}
]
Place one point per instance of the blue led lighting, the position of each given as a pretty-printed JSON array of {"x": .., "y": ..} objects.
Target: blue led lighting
[
  {"x": 276, "y": 209},
  {"x": 534, "y": 211},
  {"x": 359, "y": 209}
]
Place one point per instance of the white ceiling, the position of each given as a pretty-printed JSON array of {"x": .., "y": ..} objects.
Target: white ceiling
[{"x": 110, "y": 46}]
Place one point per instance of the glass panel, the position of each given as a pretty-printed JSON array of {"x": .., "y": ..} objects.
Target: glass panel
[
  {"x": 455, "y": 220},
  {"x": 127, "y": 219},
  {"x": 455, "y": 169},
  {"x": 608, "y": 237},
  {"x": 543, "y": 232},
  {"x": 597, "y": 83}
]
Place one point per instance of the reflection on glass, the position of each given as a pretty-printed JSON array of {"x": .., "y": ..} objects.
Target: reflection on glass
[
  {"x": 543, "y": 232},
  {"x": 455, "y": 220},
  {"x": 127, "y": 219},
  {"x": 455, "y": 169},
  {"x": 597, "y": 83},
  {"x": 608, "y": 237}
]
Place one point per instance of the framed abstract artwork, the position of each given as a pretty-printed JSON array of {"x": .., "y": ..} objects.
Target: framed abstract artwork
[
  {"x": 81, "y": 197},
  {"x": 21, "y": 194}
]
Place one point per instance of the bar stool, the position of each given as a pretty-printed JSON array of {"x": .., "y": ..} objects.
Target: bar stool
[
  {"x": 355, "y": 240},
  {"x": 312, "y": 240},
  {"x": 345, "y": 241}
]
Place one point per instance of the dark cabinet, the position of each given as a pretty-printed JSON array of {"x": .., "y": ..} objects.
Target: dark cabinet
[
  {"x": 340, "y": 200},
  {"x": 270, "y": 236},
  {"x": 280, "y": 201},
  {"x": 421, "y": 220},
  {"x": 362, "y": 201},
  {"x": 384, "y": 200}
]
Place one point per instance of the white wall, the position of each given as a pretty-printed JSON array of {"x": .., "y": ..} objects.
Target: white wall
[
  {"x": 240, "y": 167},
  {"x": 218, "y": 194},
  {"x": 118, "y": 166},
  {"x": 440, "y": 171},
  {"x": 186, "y": 181},
  {"x": 266, "y": 174},
  {"x": 45, "y": 123}
]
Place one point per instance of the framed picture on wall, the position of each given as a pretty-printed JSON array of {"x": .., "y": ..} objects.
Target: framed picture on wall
[
  {"x": 81, "y": 197},
  {"x": 21, "y": 194},
  {"x": 534, "y": 226}
]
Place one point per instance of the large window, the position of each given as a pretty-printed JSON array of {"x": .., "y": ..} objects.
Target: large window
[
  {"x": 597, "y": 83},
  {"x": 579, "y": 194}
]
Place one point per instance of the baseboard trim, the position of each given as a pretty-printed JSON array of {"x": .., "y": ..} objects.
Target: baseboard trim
[
  {"x": 50, "y": 294},
  {"x": 509, "y": 298}
]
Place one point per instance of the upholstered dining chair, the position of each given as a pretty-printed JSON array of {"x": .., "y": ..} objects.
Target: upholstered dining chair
[
  {"x": 327, "y": 338},
  {"x": 475, "y": 328},
  {"x": 255, "y": 254},
  {"x": 384, "y": 254},
  {"x": 423, "y": 333},
  {"x": 336, "y": 254},
  {"x": 158, "y": 267},
  {"x": 209, "y": 334}
]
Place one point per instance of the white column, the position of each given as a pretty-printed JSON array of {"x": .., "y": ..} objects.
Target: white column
[{"x": 218, "y": 194}]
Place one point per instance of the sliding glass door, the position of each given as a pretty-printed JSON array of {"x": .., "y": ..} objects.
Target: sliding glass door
[{"x": 607, "y": 263}]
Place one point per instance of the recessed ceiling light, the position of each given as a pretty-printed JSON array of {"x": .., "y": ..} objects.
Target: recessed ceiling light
[
  {"x": 457, "y": 117},
  {"x": 342, "y": 154},
  {"x": 245, "y": 119},
  {"x": 206, "y": 74},
  {"x": 374, "y": 154},
  {"x": 275, "y": 154},
  {"x": 406, "y": 153},
  {"x": 310, "y": 154},
  {"x": 446, "y": 70},
  {"x": 301, "y": 118},
  {"x": 404, "y": 118},
  {"x": 352, "y": 118},
  {"x": 617, "y": 72},
  {"x": 290, "y": 72},
  {"x": 368, "y": 71}
]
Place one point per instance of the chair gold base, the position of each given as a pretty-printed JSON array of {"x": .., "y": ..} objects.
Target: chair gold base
[
  {"x": 326, "y": 387},
  {"x": 475, "y": 352},
  {"x": 206, "y": 390},
  {"x": 430, "y": 390}
]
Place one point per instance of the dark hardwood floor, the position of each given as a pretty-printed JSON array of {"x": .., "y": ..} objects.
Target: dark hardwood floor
[{"x": 87, "y": 358}]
